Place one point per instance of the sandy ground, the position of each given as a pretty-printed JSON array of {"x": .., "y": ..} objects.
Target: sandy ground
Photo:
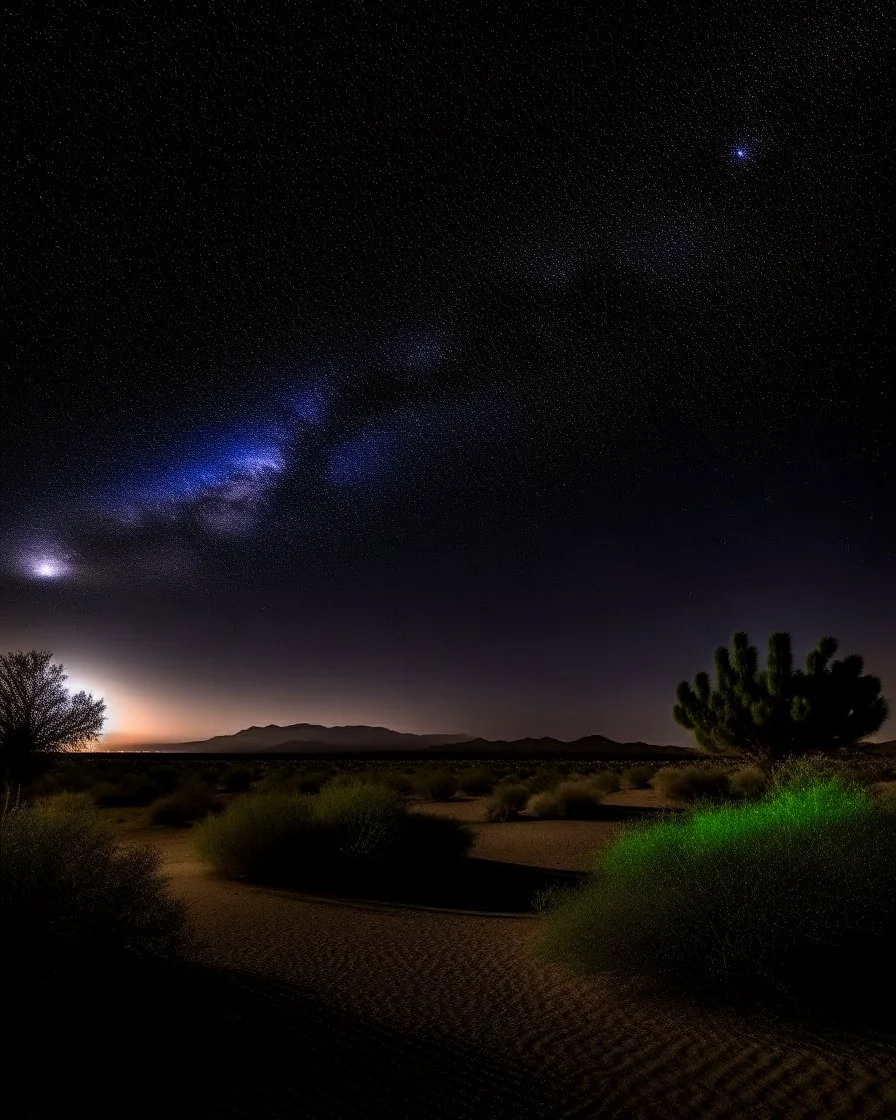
[{"x": 446, "y": 1014}]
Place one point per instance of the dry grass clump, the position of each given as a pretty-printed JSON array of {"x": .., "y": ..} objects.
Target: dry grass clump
[
  {"x": 578, "y": 799},
  {"x": 435, "y": 785},
  {"x": 691, "y": 783},
  {"x": 637, "y": 777},
  {"x": 186, "y": 805},
  {"x": 134, "y": 789},
  {"x": 345, "y": 830},
  {"x": 476, "y": 781},
  {"x": 546, "y": 777},
  {"x": 507, "y": 802},
  {"x": 607, "y": 781},
  {"x": 749, "y": 783},
  {"x": 70, "y": 895},
  {"x": 392, "y": 779},
  {"x": 289, "y": 779},
  {"x": 237, "y": 778}
]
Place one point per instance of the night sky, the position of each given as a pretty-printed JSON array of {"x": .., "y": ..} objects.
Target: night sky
[{"x": 455, "y": 367}]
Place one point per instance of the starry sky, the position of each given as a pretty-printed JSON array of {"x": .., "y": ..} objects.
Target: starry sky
[{"x": 466, "y": 368}]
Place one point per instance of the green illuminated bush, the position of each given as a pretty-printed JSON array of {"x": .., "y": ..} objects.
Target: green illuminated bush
[
  {"x": 795, "y": 892},
  {"x": 343, "y": 831},
  {"x": 69, "y": 895}
]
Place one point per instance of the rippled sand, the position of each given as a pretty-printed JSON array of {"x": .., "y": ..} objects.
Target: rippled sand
[{"x": 424, "y": 1012}]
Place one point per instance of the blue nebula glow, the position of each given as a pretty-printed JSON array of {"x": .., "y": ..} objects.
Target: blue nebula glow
[{"x": 224, "y": 491}]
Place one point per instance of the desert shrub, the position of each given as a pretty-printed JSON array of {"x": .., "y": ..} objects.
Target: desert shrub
[
  {"x": 190, "y": 803},
  {"x": 259, "y": 835},
  {"x": 69, "y": 894},
  {"x": 544, "y": 778},
  {"x": 507, "y": 801},
  {"x": 690, "y": 783},
  {"x": 286, "y": 779},
  {"x": 607, "y": 781},
  {"x": 66, "y": 803},
  {"x": 237, "y": 778},
  {"x": 165, "y": 778},
  {"x": 749, "y": 783},
  {"x": 573, "y": 800},
  {"x": 637, "y": 777},
  {"x": 343, "y": 830},
  {"x": 394, "y": 779},
  {"x": 361, "y": 818},
  {"x": 64, "y": 776},
  {"x": 791, "y": 893},
  {"x": 476, "y": 781},
  {"x": 398, "y": 782},
  {"x": 435, "y": 785},
  {"x": 129, "y": 790}
]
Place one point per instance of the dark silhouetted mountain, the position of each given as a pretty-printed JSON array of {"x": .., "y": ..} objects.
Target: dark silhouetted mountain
[
  {"x": 311, "y": 737},
  {"x": 589, "y": 745}
]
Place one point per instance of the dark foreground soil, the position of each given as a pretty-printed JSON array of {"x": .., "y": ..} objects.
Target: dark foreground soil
[{"x": 326, "y": 1008}]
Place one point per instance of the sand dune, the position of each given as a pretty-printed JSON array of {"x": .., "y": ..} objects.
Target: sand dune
[{"x": 433, "y": 989}]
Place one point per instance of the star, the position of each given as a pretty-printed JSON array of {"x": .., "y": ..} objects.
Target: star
[{"x": 47, "y": 567}]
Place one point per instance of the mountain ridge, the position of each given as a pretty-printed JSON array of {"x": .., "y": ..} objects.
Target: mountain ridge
[{"x": 314, "y": 738}]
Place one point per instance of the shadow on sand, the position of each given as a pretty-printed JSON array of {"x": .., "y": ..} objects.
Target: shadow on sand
[
  {"x": 481, "y": 885},
  {"x": 148, "y": 1042}
]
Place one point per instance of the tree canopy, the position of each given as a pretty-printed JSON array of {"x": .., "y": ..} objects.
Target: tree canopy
[
  {"x": 38, "y": 714},
  {"x": 779, "y": 711}
]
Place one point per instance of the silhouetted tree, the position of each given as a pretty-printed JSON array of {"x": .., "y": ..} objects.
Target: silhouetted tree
[
  {"x": 779, "y": 712},
  {"x": 39, "y": 716}
]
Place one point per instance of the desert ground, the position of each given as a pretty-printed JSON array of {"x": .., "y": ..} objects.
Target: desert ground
[{"x": 365, "y": 1008}]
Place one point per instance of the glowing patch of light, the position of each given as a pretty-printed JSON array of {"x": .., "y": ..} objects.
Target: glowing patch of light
[
  {"x": 47, "y": 568},
  {"x": 259, "y": 463}
]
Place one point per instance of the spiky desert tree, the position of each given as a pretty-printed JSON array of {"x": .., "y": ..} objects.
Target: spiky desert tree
[
  {"x": 39, "y": 716},
  {"x": 779, "y": 712}
]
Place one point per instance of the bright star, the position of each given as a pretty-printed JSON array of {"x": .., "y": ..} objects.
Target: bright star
[{"x": 46, "y": 567}]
